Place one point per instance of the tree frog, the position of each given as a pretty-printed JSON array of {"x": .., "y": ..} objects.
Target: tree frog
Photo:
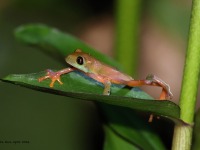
[{"x": 105, "y": 74}]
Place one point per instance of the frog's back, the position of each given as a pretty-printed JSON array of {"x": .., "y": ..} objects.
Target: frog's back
[{"x": 113, "y": 74}]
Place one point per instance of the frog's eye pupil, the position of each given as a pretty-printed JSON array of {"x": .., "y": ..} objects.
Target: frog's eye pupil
[{"x": 79, "y": 60}]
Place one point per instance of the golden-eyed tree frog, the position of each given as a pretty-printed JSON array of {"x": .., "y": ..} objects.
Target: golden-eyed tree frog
[{"x": 105, "y": 74}]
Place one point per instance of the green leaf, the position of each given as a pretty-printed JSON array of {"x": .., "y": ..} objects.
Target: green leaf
[
  {"x": 116, "y": 142},
  {"x": 131, "y": 128},
  {"x": 76, "y": 85},
  {"x": 79, "y": 86}
]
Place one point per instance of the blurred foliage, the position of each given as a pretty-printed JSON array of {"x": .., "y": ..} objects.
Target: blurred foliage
[{"x": 173, "y": 15}]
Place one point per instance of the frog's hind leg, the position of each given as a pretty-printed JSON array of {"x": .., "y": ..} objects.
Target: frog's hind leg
[
  {"x": 152, "y": 80},
  {"x": 166, "y": 92}
]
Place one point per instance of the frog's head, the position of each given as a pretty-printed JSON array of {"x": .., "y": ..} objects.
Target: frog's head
[{"x": 79, "y": 60}]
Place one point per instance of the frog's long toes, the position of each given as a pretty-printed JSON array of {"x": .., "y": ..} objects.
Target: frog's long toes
[
  {"x": 52, "y": 83},
  {"x": 59, "y": 81}
]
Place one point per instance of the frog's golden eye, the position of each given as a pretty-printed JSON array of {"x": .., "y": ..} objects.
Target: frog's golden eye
[{"x": 79, "y": 60}]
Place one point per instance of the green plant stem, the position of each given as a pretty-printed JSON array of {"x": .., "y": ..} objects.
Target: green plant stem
[
  {"x": 190, "y": 81},
  {"x": 182, "y": 137},
  {"x": 127, "y": 23}
]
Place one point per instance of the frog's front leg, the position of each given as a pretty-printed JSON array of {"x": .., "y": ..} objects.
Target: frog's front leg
[
  {"x": 55, "y": 76},
  {"x": 107, "y": 85},
  {"x": 105, "y": 81}
]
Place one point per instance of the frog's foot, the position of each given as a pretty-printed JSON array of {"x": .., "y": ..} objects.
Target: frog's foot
[
  {"x": 54, "y": 76},
  {"x": 154, "y": 80}
]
